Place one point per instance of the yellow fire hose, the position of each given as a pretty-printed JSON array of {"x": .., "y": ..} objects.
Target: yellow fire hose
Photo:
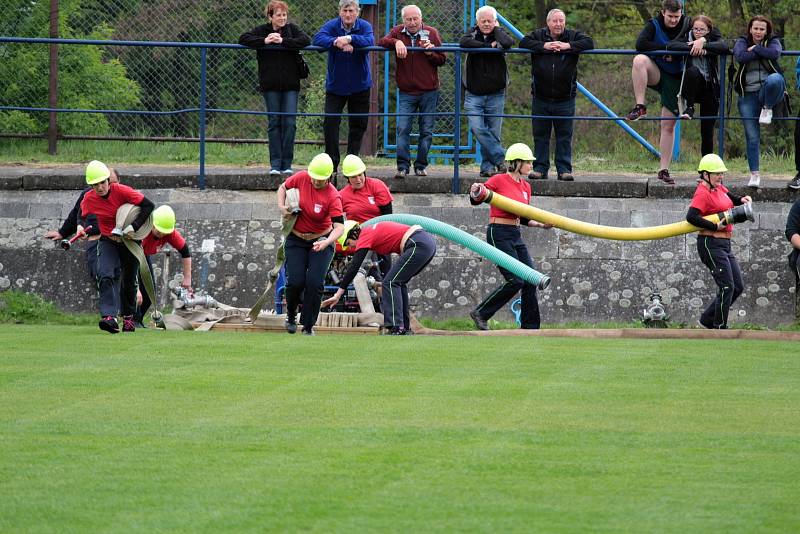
[{"x": 480, "y": 194}]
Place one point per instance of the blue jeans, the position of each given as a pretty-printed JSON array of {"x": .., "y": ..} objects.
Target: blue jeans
[
  {"x": 750, "y": 105},
  {"x": 281, "y": 128},
  {"x": 424, "y": 103},
  {"x": 509, "y": 239},
  {"x": 487, "y": 129},
  {"x": 563, "y": 130}
]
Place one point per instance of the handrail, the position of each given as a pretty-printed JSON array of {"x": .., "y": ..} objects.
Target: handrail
[{"x": 447, "y": 48}]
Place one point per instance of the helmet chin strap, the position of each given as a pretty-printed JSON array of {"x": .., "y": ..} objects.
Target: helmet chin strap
[{"x": 706, "y": 180}]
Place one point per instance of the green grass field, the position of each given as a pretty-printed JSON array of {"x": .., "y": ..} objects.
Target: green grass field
[{"x": 208, "y": 432}]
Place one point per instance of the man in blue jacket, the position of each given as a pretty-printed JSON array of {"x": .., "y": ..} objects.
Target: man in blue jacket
[{"x": 349, "y": 80}]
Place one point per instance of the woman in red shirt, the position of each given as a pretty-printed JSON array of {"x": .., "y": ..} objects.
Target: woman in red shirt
[
  {"x": 416, "y": 248},
  {"x": 503, "y": 233},
  {"x": 310, "y": 246},
  {"x": 365, "y": 198},
  {"x": 117, "y": 267},
  {"x": 714, "y": 240}
]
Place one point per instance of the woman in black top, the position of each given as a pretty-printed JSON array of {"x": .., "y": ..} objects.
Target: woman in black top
[
  {"x": 701, "y": 81},
  {"x": 279, "y": 79}
]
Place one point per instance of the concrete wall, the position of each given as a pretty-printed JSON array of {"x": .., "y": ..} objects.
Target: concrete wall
[{"x": 593, "y": 280}]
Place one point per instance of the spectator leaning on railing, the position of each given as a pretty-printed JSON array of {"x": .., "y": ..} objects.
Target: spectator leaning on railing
[
  {"x": 486, "y": 80},
  {"x": 554, "y": 68},
  {"x": 278, "y": 79},
  {"x": 349, "y": 79},
  {"x": 759, "y": 84},
  {"x": 417, "y": 76},
  {"x": 794, "y": 183},
  {"x": 662, "y": 73},
  {"x": 701, "y": 74}
]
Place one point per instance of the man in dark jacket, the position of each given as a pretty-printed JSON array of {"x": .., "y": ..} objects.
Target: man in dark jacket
[
  {"x": 349, "y": 78},
  {"x": 417, "y": 76},
  {"x": 794, "y": 183},
  {"x": 662, "y": 73},
  {"x": 554, "y": 66},
  {"x": 485, "y": 81}
]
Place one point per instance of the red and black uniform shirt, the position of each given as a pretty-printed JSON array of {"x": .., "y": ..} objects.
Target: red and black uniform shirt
[
  {"x": 317, "y": 205},
  {"x": 384, "y": 237},
  {"x": 364, "y": 204},
  {"x": 105, "y": 208},
  {"x": 708, "y": 202},
  {"x": 505, "y": 185},
  {"x": 152, "y": 244}
]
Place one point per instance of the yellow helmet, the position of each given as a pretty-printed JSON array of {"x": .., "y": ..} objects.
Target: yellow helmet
[
  {"x": 711, "y": 163},
  {"x": 519, "y": 151},
  {"x": 96, "y": 172},
  {"x": 321, "y": 167},
  {"x": 352, "y": 165},
  {"x": 164, "y": 219},
  {"x": 348, "y": 227}
]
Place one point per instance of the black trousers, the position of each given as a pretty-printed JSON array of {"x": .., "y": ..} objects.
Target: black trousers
[
  {"x": 509, "y": 239},
  {"x": 418, "y": 252},
  {"x": 717, "y": 256},
  {"x": 117, "y": 270},
  {"x": 356, "y": 103},
  {"x": 698, "y": 90},
  {"x": 305, "y": 279},
  {"x": 141, "y": 310},
  {"x": 797, "y": 144}
]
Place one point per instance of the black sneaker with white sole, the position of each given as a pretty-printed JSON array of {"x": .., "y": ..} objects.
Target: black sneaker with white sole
[{"x": 794, "y": 183}]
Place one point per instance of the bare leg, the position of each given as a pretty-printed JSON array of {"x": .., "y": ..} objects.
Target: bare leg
[
  {"x": 667, "y": 138},
  {"x": 644, "y": 72}
]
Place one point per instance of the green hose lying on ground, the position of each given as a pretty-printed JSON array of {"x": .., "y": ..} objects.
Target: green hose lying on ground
[{"x": 482, "y": 248}]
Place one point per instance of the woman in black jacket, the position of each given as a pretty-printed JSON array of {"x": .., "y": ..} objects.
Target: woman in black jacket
[
  {"x": 279, "y": 74},
  {"x": 701, "y": 80}
]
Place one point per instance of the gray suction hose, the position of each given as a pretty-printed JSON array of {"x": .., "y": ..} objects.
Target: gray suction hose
[{"x": 482, "y": 248}]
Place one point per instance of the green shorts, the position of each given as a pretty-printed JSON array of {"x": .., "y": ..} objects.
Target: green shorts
[{"x": 668, "y": 87}]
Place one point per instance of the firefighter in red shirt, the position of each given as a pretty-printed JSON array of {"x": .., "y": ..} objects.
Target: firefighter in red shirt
[
  {"x": 503, "y": 233},
  {"x": 416, "y": 248},
  {"x": 714, "y": 240},
  {"x": 365, "y": 198},
  {"x": 163, "y": 233},
  {"x": 117, "y": 267},
  {"x": 310, "y": 246}
]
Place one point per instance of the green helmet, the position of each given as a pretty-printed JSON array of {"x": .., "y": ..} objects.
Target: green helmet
[
  {"x": 519, "y": 151},
  {"x": 96, "y": 172},
  {"x": 164, "y": 219},
  {"x": 348, "y": 227},
  {"x": 712, "y": 163},
  {"x": 353, "y": 166},
  {"x": 321, "y": 167}
]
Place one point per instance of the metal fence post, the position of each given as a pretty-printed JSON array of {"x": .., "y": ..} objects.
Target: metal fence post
[
  {"x": 52, "y": 89},
  {"x": 203, "y": 54},
  {"x": 722, "y": 105},
  {"x": 457, "y": 125}
]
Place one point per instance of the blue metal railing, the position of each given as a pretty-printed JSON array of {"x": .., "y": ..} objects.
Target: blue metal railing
[{"x": 457, "y": 52}]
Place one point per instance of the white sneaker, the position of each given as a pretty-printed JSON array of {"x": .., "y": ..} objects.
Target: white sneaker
[
  {"x": 755, "y": 180},
  {"x": 274, "y": 172},
  {"x": 766, "y": 116}
]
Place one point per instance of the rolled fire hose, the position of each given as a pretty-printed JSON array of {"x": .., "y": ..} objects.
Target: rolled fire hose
[
  {"x": 287, "y": 224},
  {"x": 362, "y": 294},
  {"x": 479, "y": 193},
  {"x": 126, "y": 214},
  {"x": 496, "y": 256}
]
